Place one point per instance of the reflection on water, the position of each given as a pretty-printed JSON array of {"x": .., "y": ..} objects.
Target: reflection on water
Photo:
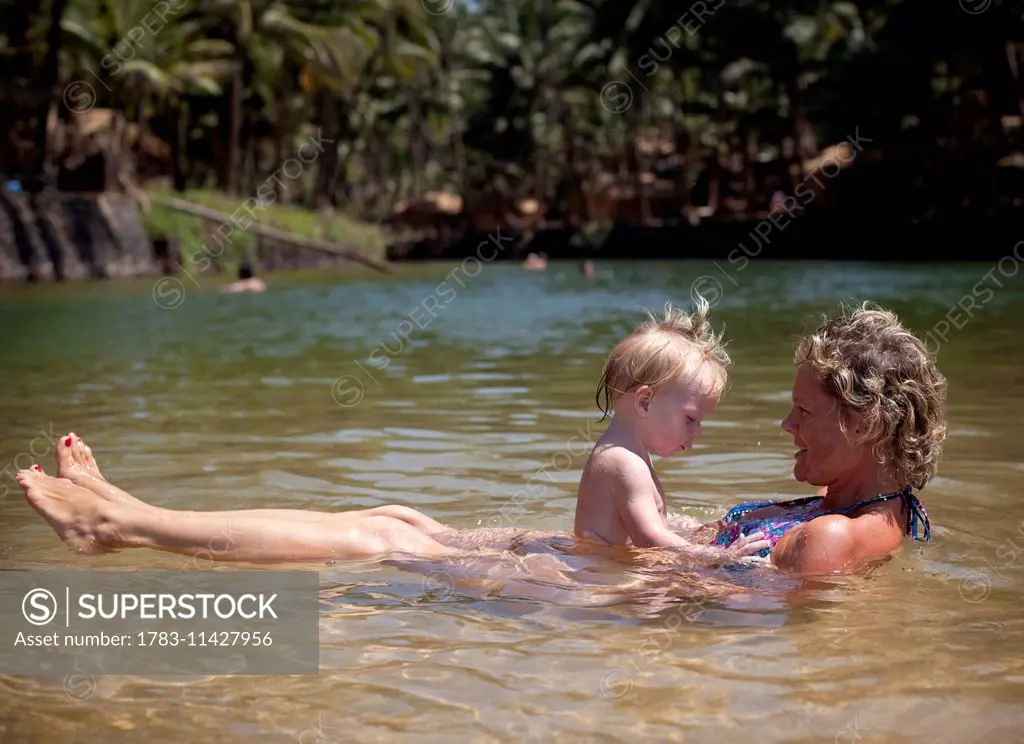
[{"x": 233, "y": 402}]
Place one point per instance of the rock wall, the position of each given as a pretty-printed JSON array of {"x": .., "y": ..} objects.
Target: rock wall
[
  {"x": 80, "y": 236},
  {"x": 72, "y": 237}
]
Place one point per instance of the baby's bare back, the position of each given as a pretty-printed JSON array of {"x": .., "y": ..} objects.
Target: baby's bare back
[{"x": 597, "y": 518}]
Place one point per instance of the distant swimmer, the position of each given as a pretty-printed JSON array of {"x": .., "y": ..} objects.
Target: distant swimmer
[
  {"x": 247, "y": 282},
  {"x": 535, "y": 262}
]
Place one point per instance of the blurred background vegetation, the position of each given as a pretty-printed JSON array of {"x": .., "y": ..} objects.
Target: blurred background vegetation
[{"x": 569, "y": 113}]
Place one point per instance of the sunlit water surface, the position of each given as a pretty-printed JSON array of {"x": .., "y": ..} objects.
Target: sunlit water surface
[{"x": 234, "y": 402}]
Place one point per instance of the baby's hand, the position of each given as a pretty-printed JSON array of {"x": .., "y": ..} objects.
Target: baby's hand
[{"x": 748, "y": 545}]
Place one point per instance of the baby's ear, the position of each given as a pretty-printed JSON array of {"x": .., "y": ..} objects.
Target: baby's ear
[{"x": 642, "y": 398}]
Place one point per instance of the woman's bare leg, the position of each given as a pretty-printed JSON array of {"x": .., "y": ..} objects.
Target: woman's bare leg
[
  {"x": 89, "y": 523},
  {"x": 411, "y": 516},
  {"x": 405, "y": 514},
  {"x": 261, "y": 540},
  {"x": 75, "y": 462}
]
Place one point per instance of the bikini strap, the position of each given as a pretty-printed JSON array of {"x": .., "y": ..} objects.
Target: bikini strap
[
  {"x": 796, "y": 502},
  {"x": 744, "y": 508},
  {"x": 915, "y": 510}
]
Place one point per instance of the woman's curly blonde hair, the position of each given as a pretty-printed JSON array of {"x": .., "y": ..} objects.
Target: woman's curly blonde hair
[
  {"x": 660, "y": 350},
  {"x": 875, "y": 367}
]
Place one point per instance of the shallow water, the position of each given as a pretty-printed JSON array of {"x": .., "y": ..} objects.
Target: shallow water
[{"x": 235, "y": 402}]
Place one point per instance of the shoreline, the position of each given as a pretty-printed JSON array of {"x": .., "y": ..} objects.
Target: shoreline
[
  {"x": 78, "y": 237},
  {"x": 833, "y": 236}
]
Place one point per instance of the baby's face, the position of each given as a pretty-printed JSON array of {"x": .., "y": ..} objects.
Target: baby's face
[{"x": 674, "y": 415}]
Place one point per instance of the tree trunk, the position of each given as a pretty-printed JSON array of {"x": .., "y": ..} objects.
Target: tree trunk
[
  {"x": 1011, "y": 59},
  {"x": 418, "y": 142},
  {"x": 715, "y": 183},
  {"x": 370, "y": 185},
  {"x": 179, "y": 146},
  {"x": 20, "y": 16},
  {"x": 750, "y": 165},
  {"x": 536, "y": 147},
  {"x": 327, "y": 163},
  {"x": 576, "y": 209},
  {"x": 805, "y": 145},
  {"x": 388, "y": 177},
  {"x": 140, "y": 131},
  {"x": 17, "y": 86},
  {"x": 229, "y": 178},
  {"x": 50, "y": 73},
  {"x": 455, "y": 118},
  {"x": 643, "y": 166},
  {"x": 281, "y": 123},
  {"x": 249, "y": 142},
  {"x": 790, "y": 156},
  {"x": 341, "y": 191}
]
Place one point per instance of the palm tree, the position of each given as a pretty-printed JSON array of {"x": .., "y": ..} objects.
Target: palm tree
[
  {"x": 324, "y": 48},
  {"x": 156, "y": 74}
]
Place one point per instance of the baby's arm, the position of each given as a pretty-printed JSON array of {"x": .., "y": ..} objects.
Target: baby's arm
[
  {"x": 683, "y": 523},
  {"x": 632, "y": 489}
]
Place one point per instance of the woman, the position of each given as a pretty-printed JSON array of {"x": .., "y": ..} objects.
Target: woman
[{"x": 868, "y": 419}]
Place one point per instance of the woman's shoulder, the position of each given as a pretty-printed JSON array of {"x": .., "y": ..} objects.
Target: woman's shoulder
[
  {"x": 879, "y": 529},
  {"x": 836, "y": 542}
]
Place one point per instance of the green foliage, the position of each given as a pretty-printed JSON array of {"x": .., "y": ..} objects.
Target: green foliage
[
  {"x": 507, "y": 96},
  {"x": 192, "y": 233}
]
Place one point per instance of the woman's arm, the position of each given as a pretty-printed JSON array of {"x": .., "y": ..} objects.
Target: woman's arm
[{"x": 824, "y": 545}]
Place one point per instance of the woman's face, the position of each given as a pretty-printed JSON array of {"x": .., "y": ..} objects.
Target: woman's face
[{"x": 825, "y": 455}]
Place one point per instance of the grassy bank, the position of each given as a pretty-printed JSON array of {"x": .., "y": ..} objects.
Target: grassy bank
[{"x": 192, "y": 232}]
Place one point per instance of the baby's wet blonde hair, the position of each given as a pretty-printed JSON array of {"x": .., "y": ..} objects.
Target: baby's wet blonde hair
[{"x": 662, "y": 350}]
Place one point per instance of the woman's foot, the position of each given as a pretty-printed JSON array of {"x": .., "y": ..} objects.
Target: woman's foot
[
  {"x": 81, "y": 518},
  {"x": 76, "y": 463}
]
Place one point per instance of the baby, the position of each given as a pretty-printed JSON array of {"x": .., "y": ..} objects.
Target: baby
[{"x": 660, "y": 383}]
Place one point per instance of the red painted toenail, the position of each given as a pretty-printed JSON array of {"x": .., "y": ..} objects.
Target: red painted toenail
[
  {"x": 37, "y": 468},
  {"x": 67, "y": 442}
]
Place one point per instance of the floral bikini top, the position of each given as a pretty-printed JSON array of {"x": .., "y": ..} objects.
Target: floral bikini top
[{"x": 802, "y": 510}]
